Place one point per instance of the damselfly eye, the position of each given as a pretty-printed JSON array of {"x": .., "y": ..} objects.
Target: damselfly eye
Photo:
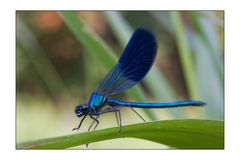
[{"x": 78, "y": 110}]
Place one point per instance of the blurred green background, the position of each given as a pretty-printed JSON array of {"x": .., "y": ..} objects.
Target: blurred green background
[{"x": 62, "y": 56}]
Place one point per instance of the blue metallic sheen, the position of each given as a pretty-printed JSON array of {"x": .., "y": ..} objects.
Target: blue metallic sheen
[
  {"x": 132, "y": 67},
  {"x": 96, "y": 101},
  {"x": 115, "y": 102}
]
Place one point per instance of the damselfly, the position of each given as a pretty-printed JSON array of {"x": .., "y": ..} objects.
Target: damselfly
[{"x": 133, "y": 65}]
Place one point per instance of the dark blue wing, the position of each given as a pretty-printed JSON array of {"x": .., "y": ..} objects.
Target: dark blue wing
[{"x": 133, "y": 65}]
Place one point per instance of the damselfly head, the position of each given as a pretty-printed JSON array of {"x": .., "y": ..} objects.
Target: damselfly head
[{"x": 81, "y": 110}]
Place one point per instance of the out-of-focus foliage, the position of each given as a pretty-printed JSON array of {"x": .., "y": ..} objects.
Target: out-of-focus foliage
[{"x": 55, "y": 70}]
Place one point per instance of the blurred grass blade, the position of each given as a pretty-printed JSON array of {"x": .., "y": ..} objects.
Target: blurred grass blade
[
  {"x": 39, "y": 59},
  {"x": 163, "y": 20},
  {"x": 205, "y": 45},
  {"x": 88, "y": 39},
  {"x": 212, "y": 34},
  {"x": 185, "y": 56},
  {"x": 97, "y": 48},
  {"x": 211, "y": 93},
  {"x": 204, "y": 134},
  {"x": 207, "y": 32},
  {"x": 154, "y": 80},
  {"x": 120, "y": 27}
]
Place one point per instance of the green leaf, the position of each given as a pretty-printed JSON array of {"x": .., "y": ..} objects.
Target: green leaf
[{"x": 182, "y": 134}]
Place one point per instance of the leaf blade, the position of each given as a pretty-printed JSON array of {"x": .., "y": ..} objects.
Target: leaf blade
[{"x": 181, "y": 134}]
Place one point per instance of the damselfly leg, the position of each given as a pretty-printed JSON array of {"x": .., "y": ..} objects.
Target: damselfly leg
[
  {"x": 117, "y": 114},
  {"x": 137, "y": 113},
  {"x": 79, "y": 123},
  {"x": 95, "y": 119},
  {"x": 119, "y": 120}
]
